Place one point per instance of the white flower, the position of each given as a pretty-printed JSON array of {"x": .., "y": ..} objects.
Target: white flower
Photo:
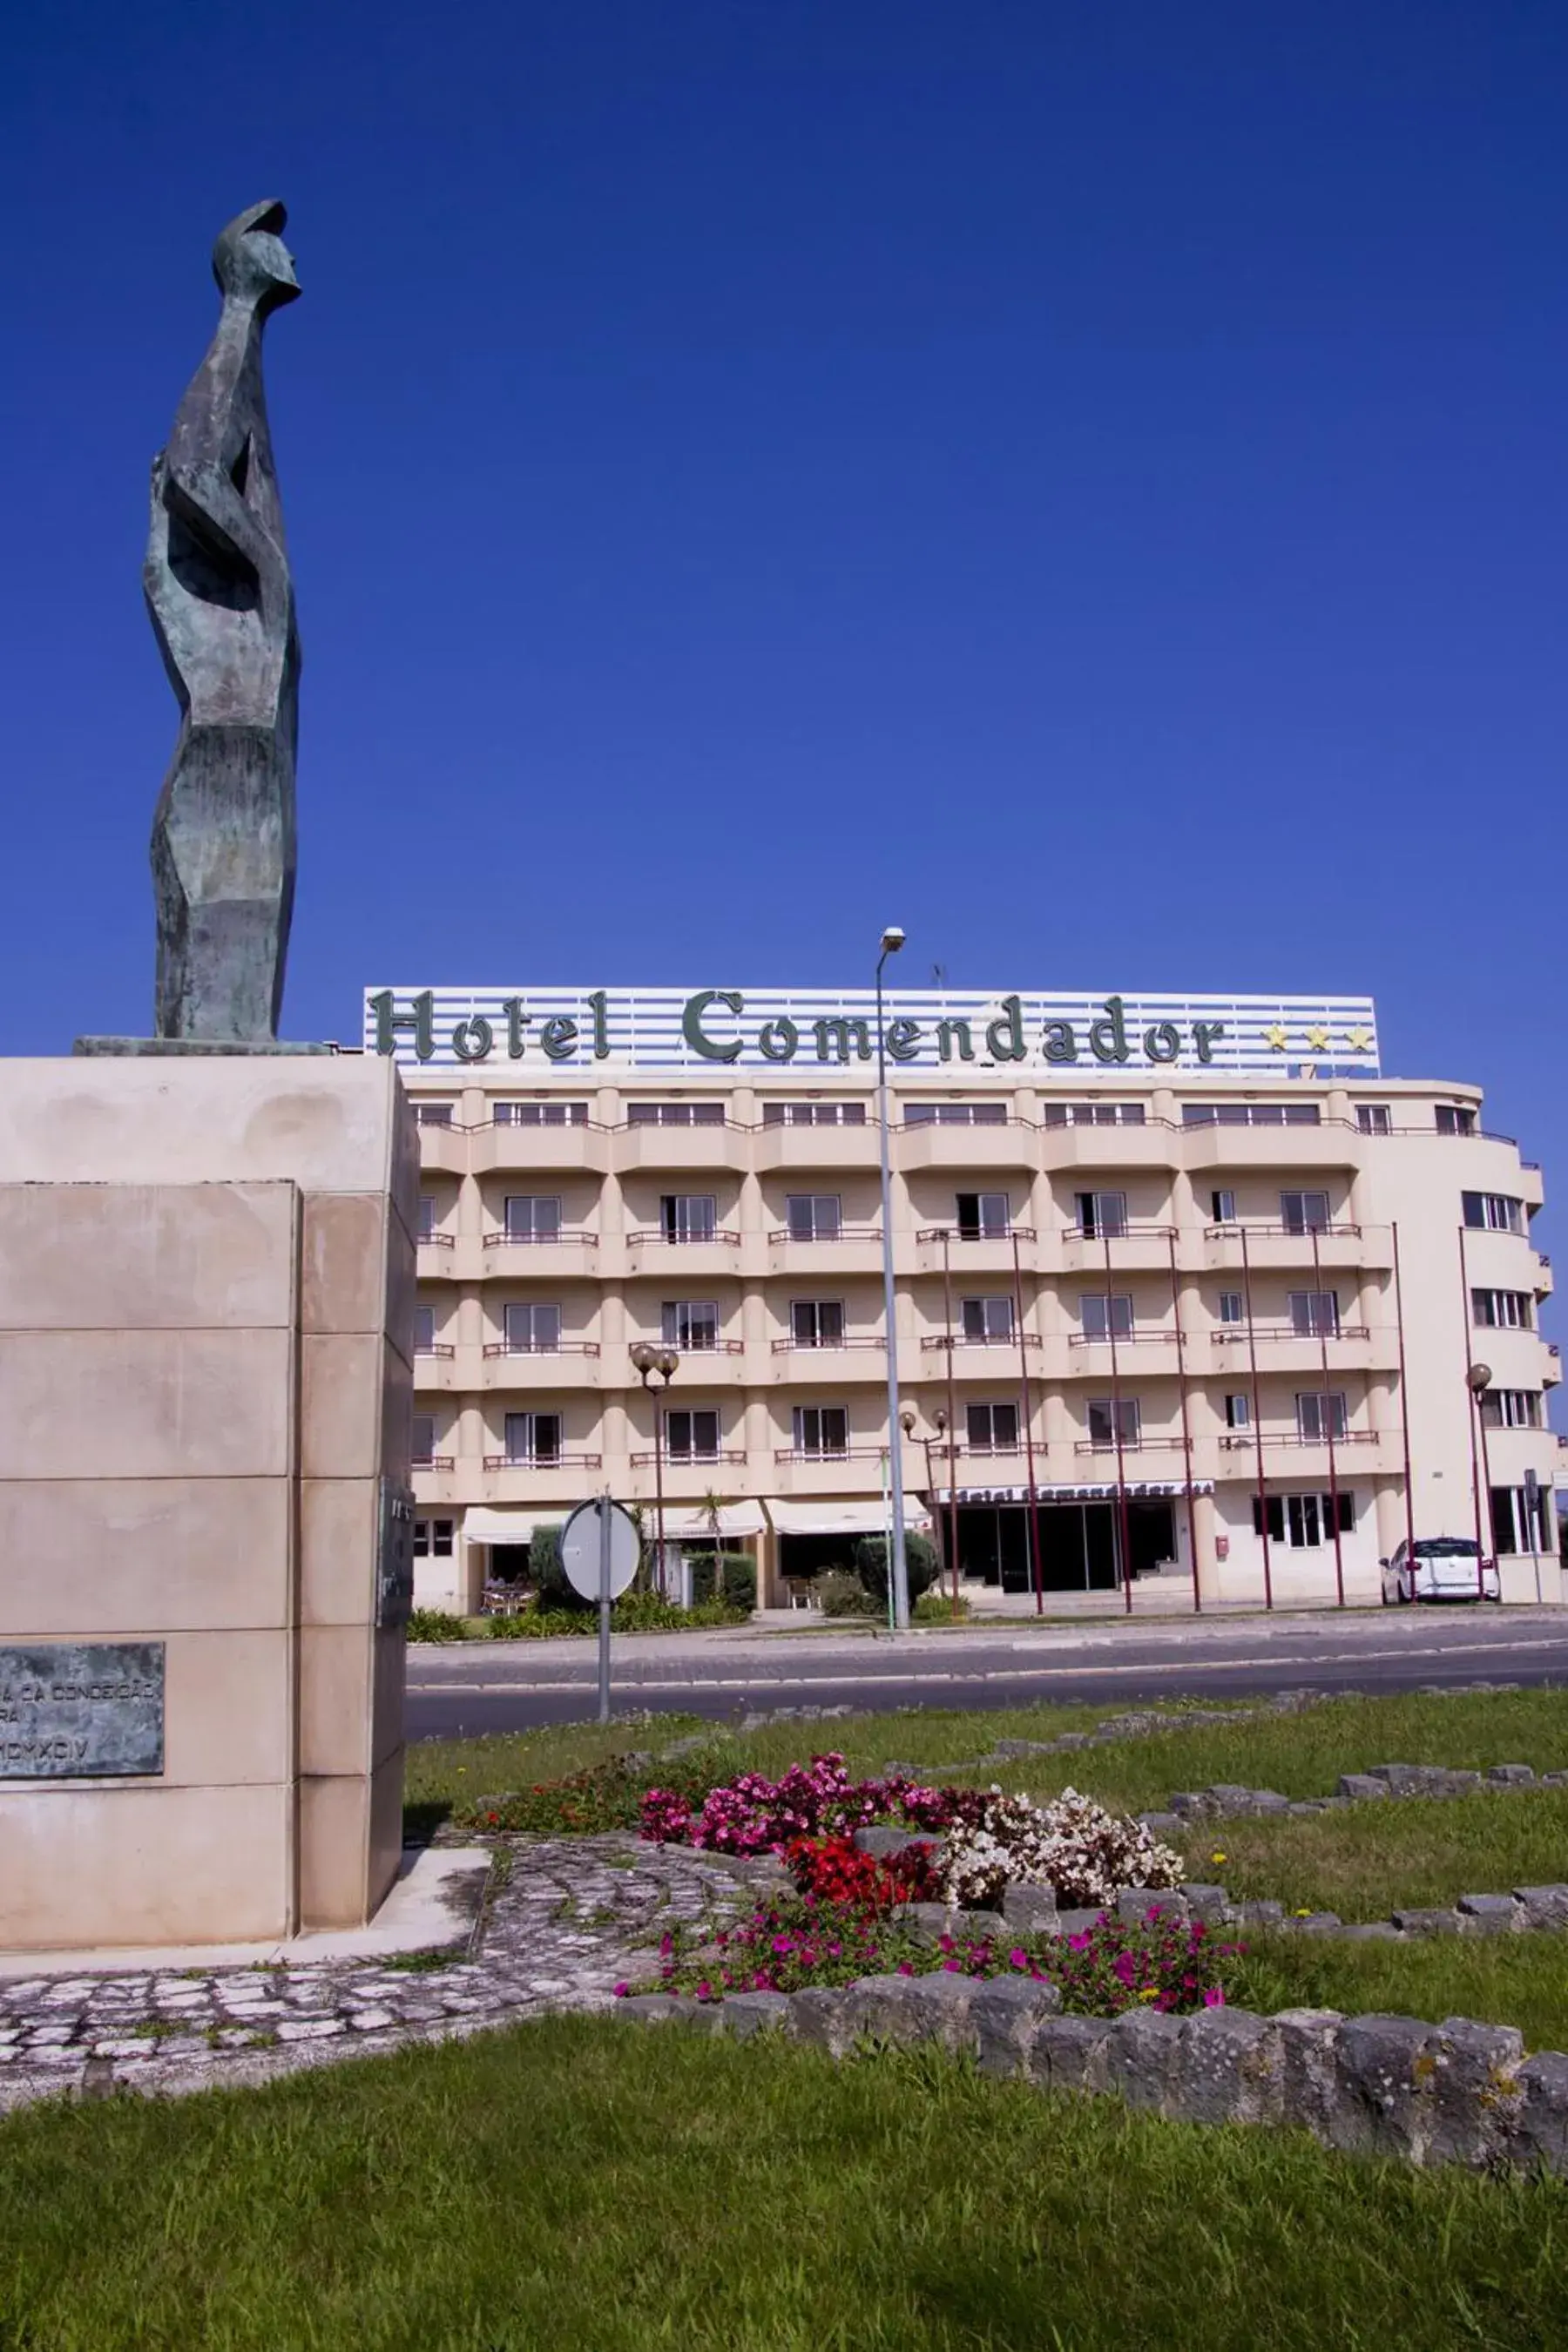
[{"x": 1072, "y": 1844}]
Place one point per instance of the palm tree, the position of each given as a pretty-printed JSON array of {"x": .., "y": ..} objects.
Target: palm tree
[{"x": 712, "y": 1508}]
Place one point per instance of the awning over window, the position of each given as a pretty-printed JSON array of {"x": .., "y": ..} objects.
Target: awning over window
[
  {"x": 504, "y": 1524},
  {"x": 688, "y": 1523},
  {"x": 846, "y": 1518}
]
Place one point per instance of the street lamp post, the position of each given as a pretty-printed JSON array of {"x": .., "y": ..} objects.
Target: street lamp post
[
  {"x": 1479, "y": 1379},
  {"x": 898, "y": 1567},
  {"x": 645, "y": 1361}
]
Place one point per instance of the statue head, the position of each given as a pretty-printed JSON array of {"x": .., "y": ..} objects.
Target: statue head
[{"x": 251, "y": 262}]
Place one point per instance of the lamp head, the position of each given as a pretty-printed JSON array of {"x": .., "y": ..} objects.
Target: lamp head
[
  {"x": 668, "y": 1363},
  {"x": 645, "y": 1360},
  {"x": 940, "y": 1418},
  {"x": 1480, "y": 1378},
  {"x": 907, "y": 1422},
  {"x": 893, "y": 939}
]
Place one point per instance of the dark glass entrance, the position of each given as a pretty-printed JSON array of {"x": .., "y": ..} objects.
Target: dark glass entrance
[{"x": 1079, "y": 1543}]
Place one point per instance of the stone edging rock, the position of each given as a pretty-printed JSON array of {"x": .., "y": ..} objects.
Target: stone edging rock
[{"x": 1457, "y": 2092}]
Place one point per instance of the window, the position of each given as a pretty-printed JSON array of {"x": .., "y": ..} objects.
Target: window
[
  {"x": 983, "y": 1216},
  {"x": 1222, "y": 1207},
  {"x": 992, "y": 1428},
  {"x": 687, "y": 1217},
  {"x": 1238, "y": 1412},
  {"x": 424, "y": 1449},
  {"x": 532, "y": 1217},
  {"x": 821, "y": 1430},
  {"x": 1103, "y": 1114},
  {"x": 425, "y": 1227},
  {"x": 985, "y": 1322},
  {"x": 955, "y": 1113},
  {"x": 1110, "y": 1417},
  {"x": 691, "y": 1325},
  {"x": 1102, "y": 1315},
  {"x": 813, "y": 1114},
  {"x": 1511, "y": 1408},
  {"x": 675, "y": 1114},
  {"x": 540, "y": 1114},
  {"x": 1251, "y": 1114},
  {"x": 1456, "y": 1118},
  {"x": 434, "y": 1114},
  {"x": 1515, "y": 1527},
  {"x": 1504, "y": 1310},
  {"x": 692, "y": 1435},
  {"x": 1307, "y": 1520},
  {"x": 817, "y": 1322},
  {"x": 1232, "y": 1306},
  {"x": 1374, "y": 1118},
  {"x": 1304, "y": 1213},
  {"x": 1315, "y": 1314},
  {"x": 1494, "y": 1212},
  {"x": 534, "y": 1438},
  {"x": 433, "y": 1539},
  {"x": 814, "y": 1217},
  {"x": 425, "y": 1330},
  {"x": 1101, "y": 1216},
  {"x": 1320, "y": 1415},
  {"x": 533, "y": 1331}
]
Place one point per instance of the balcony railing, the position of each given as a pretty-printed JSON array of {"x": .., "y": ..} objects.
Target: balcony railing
[
  {"x": 820, "y": 1347},
  {"x": 934, "y": 1340},
  {"x": 433, "y": 1347},
  {"x": 828, "y": 1452},
  {"x": 779, "y": 1235},
  {"x": 577, "y": 1235},
  {"x": 724, "y": 1236},
  {"x": 1274, "y": 1226},
  {"x": 1145, "y": 1338},
  {"x": 986, "y": 1234},
  {"x": 544, "y": 1461},
  {"x": 1241, "y": 1439},
  {"x": 541, "y": 1348},
  {"x": 732, "y": 1457},
  {"x": 1235, "y": 1334},
  {"x": 1136, "y": 1229},
  {"x": 684, "y": 1348},
  {"x": 1142, "y": 1443},
  {"x": 432, "y": 1462},
  {"x": 433, "y": 1240}
]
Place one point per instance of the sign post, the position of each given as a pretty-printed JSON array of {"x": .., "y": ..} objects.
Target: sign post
[{"x": 600, "y": 1549}]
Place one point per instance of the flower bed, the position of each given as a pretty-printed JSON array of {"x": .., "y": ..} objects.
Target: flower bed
[
  {"x": 989, "y": 1840},
  {"x": 1160, "y": 1962}
]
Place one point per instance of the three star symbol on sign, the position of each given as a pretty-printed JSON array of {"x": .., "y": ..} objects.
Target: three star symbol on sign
[{"x": 1358, "y": 1040}]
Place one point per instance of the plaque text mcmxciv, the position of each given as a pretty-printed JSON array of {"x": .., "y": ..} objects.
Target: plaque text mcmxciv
[{"x": 80, "y": 1710}]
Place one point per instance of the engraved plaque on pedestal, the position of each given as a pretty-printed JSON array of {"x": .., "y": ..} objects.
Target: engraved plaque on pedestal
[{"x": 80, "y": 1710}]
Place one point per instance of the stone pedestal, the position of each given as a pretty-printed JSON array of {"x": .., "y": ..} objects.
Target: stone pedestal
[{"x": 207, "y": 1288}]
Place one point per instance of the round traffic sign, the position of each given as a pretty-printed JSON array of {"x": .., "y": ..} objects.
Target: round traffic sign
[{"x": 581, "y": 1553}]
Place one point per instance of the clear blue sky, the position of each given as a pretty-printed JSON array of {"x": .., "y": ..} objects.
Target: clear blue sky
[{"x": 1086, "y": 483}]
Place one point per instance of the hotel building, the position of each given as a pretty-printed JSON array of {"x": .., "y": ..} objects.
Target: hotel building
[{"x": 1185, "y": 1288}]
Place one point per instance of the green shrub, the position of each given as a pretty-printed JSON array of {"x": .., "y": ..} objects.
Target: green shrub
[
  {"x": 548, "y": 1576},
  {"x": 436, "y": 1626},
  {"x": 734, "y": 1573},
  {"x": 635, "y": 1613},
  {"x": 922, "y": 1560},
  {"x": 838, "y": 1593},
  {"x": 935, "y": 1608}
]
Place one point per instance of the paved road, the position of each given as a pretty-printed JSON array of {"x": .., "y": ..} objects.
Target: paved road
[{"x": 473, "y": 1688}]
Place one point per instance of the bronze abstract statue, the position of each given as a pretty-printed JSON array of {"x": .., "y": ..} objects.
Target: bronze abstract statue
[{"x": 220, "y": 591}]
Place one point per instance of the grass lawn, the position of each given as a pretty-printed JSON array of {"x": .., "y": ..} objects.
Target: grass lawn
[
  {"x": 1372, "y": 1858},
  {"x": 1507, "y": 1980},
  {"x": 594, "y": 2186}
]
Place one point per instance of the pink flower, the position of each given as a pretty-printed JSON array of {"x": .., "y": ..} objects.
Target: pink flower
[
  {"x": 621, "y": 1991},
  {"x": 1018, "y": 1958},
  {"x": 1214, "y": 1996}
]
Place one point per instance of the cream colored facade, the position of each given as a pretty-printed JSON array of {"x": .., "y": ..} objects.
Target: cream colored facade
[{"x": 1016, "y": 1205}]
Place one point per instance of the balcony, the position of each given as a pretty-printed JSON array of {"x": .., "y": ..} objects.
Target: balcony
[
  {"x": 651, "y": 1146},
  {"x": 651, "y": 1251},
  {"x": 1154, "y": 1144},
  {"x": 1142, "y": 1246},
  {"x": 435, "y": 1367},
  {"x": 1272, "y": 1245},
  {"x": 968, "y": 1253},
  {"x": 438, "y": 1480},
  {"x": 435, "y": 1256},
  {"x": 573, "y": 1364},
  {"x": 560, "y": 1482},
  {"x": 1213, "y": 1149},
  {"x": 570, "y": 1250},
  {"x": 726, "y": 1457},
  {"x": 1282, "y": 1348},
  {"x": 923, "y": 1144},
  {"x": 556, "y": 1151},
  {"x": 1105, "y": 1447},
  {"x": 446, "y": 1148},
  {"x": 853, "y": 1249},
  {"x": 852, "y": 1470},
  {"x": 856, "y": 1356},
  {"x": 786, "y": 1148}
]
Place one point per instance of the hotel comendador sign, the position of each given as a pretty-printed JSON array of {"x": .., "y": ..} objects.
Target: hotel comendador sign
[{"x": 927, "y": 1030}]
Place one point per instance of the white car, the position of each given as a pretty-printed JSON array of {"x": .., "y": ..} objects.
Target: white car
[{"x": 1442, "y": 1567}]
